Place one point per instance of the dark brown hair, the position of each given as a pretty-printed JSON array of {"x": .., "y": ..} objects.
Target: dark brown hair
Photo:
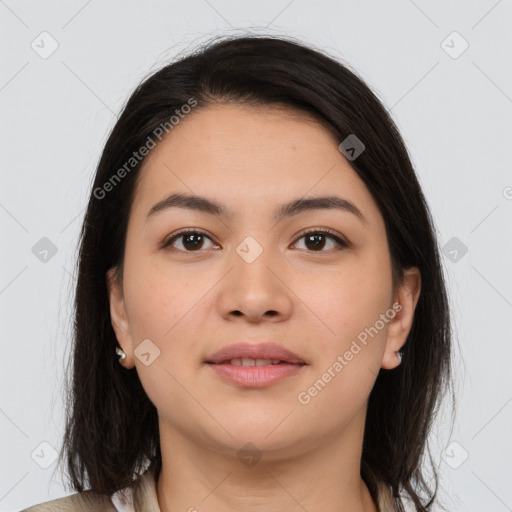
[{"x": 111, "y": 430}]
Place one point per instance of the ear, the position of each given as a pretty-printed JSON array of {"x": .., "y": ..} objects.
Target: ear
[
  {"x": 405, "y": 300},
  {"x": 118, "y": 317}
]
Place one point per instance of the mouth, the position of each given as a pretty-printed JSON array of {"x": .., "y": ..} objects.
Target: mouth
[
  {"x": 261, "y": 353},
  {"x": 255, "y": 365},
  {"x": 247, "y": 361}
]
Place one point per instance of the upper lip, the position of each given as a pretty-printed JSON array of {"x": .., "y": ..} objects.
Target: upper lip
[{"x": 254, "y": 351}]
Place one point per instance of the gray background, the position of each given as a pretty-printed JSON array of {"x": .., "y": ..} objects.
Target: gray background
[{"x": 453, "y": 107}]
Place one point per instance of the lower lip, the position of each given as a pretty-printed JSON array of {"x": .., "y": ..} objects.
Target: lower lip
[{"x": 255, "y": 376}]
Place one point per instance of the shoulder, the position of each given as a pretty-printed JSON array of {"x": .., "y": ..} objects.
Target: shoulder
[
  {"x": 139, "y": 497},
  {"x": 385, "y": 500},
  {"x": 387, "y": 503},
  {"x": 86, "y": 501}
]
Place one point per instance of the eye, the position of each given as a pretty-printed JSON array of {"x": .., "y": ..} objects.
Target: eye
[
  {"x": 316, "y": 239},
  {"x": 191, "y": 240}
]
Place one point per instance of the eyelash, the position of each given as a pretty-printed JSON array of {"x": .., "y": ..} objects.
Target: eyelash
[{"x": 192, "y": 231}]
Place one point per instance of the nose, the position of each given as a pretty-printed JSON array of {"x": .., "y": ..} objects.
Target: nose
[{"x": 256, "y": 291}]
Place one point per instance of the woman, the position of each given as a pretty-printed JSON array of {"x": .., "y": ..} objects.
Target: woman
[{"x": 259, "y": 254}]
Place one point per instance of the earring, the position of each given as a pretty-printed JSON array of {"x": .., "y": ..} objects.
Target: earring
[
  {"x": 121, "y": 354},
  {"x": 399, "y": 355}
]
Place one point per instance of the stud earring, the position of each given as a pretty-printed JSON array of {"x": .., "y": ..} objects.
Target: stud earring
[
  {"x": 399, "y": 355},
  {"x": 121, "y": 354}
]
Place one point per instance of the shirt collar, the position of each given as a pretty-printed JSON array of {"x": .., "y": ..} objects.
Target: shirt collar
[
  {"x": 144, "y": 493},
  {"x": 145, "y": 498}
]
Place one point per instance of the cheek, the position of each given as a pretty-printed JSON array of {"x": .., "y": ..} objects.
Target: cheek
[
  {"x": 163, "y": 310},
  {"x": 348, "y": 354},
  {"x": 350, "y": 302},
  {"x": 349, "y": 298},
  {"x": 157, "y": 300}
]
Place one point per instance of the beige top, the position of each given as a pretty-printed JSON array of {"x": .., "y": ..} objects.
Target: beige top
[{"x": 142, "y": 498}]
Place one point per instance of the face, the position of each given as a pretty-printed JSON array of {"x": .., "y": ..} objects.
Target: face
[{"x": 249, "y": 276}]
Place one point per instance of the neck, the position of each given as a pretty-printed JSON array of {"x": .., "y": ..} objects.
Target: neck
[{"x": 322, "y": 476}]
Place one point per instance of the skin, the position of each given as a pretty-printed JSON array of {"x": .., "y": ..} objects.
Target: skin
[{"x": 313, "y": 302}]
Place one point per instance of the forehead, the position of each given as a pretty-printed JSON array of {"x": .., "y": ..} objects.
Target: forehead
[
  {"x": 238, "y": 153},
  {"x": 225, "y": 133}
]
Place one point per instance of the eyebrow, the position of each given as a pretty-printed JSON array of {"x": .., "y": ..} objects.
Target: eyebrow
[{"x": 295, "y": 207}]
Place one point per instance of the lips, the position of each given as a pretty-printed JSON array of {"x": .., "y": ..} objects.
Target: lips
[
  {"x": 255, "y": 365},
  {"x": 259, "y": 353},
  {"x": 249, "y": 365}
]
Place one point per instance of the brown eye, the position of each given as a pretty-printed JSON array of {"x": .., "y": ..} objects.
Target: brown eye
[
  {"x": 191, "y": 240},
  {"x": 316, "y": 240}
]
